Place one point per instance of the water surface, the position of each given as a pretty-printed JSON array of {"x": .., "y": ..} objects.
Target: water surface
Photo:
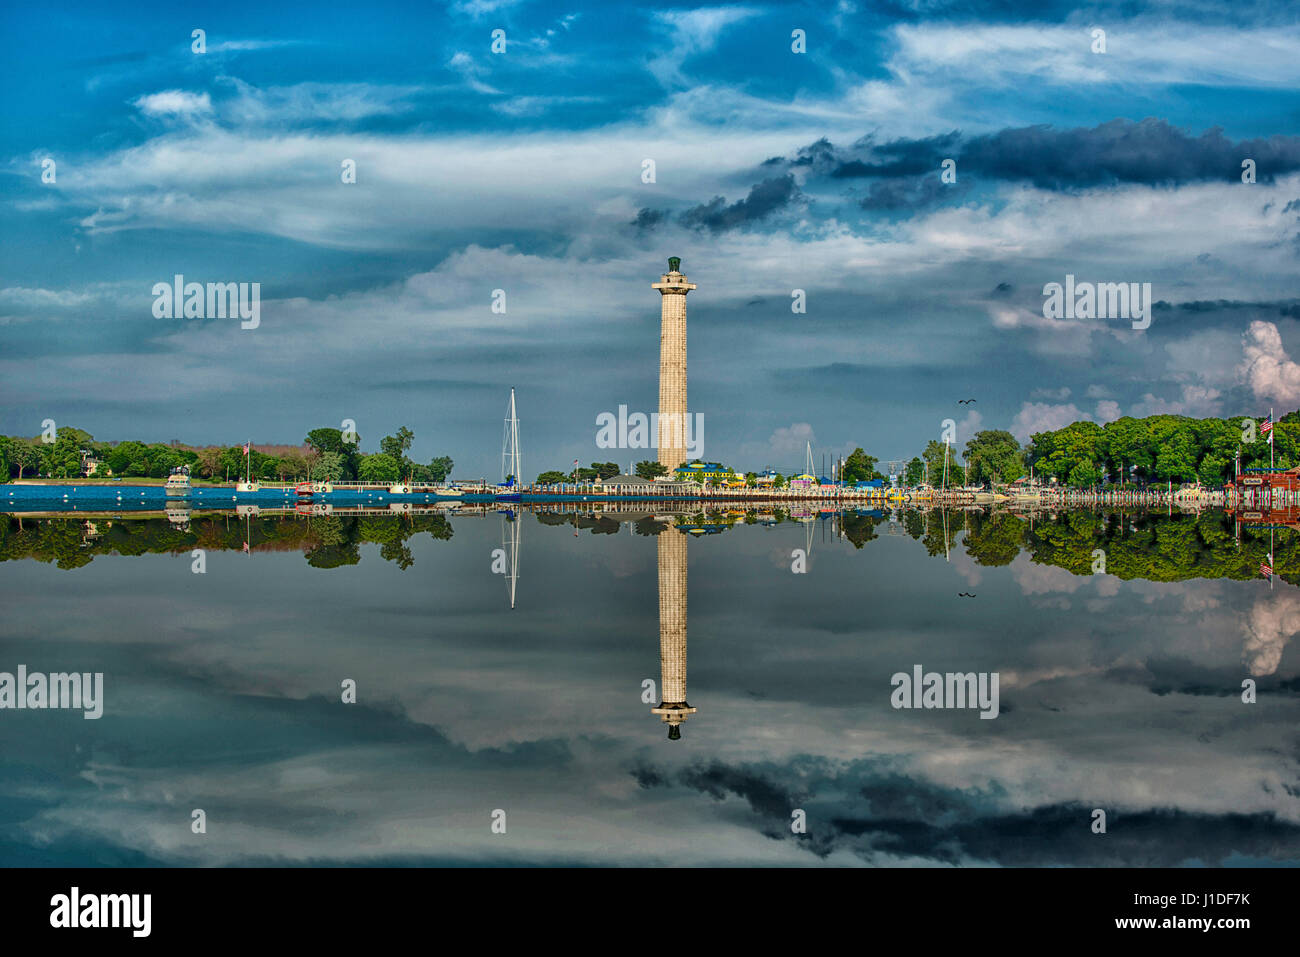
[{"x": 1119, "y": 691}]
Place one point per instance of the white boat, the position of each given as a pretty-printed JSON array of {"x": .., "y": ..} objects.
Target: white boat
[{"x": 178, "y": 483}]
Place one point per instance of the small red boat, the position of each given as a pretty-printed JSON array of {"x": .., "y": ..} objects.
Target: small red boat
[{"x": 303, "y": 488}]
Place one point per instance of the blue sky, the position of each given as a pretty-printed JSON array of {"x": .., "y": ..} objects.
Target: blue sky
[{"x": 522, "y": 171}]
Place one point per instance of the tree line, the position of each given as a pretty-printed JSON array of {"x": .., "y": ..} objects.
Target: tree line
[
  {"x": 325, "y": 454},
  {"x": 1154, "y": 449}
]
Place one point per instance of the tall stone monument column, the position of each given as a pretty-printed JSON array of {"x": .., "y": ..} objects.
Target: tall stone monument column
[{"x": 673, "y": 287}]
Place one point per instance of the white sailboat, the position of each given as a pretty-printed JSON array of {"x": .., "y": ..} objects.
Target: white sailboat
[{"x": 511, "y": 475}]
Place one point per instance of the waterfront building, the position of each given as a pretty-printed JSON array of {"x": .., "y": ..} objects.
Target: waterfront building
[{"x": 708, "y": 471}]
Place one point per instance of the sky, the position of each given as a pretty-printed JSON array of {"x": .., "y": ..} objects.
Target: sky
[{"x": 524, "y": 171}]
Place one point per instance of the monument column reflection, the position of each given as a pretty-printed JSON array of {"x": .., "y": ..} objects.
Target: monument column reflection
[{"x": 673, "y": 707}]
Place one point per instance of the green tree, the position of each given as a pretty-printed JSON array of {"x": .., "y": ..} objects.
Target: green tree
[
  {"x": 440, "y": 468},
  {"x": 26, "y": 456},
  {"x": 331, "y": 440},
  {"x": 1059, "y": 453},
  {"x": 232, "y": 462},
  {"x": 379, "y": 467},
  {"x": 552, "y": 478},
  {"x": 860, "y": 467},
  {"x": 914, "y": 474},
  {"x": 994, "y": 455},
  {"x": 1083, "y": 475},
  {"x": 650, "y": 470},
  {"x": 130, "y": 459},
  {"x": 327, "y": 467},
  {"x": 396, "y": 446},
  {"x": 934, "y": 456},
  {"x": 209, "y": 463},
  {"x": 1176, "y": 460},
  {"x": 62, "y": 458}
]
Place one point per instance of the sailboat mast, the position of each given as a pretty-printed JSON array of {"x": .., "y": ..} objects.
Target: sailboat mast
[{"x": 510, "y": 465}]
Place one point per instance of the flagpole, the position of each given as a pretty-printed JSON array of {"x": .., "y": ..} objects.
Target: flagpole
[{"x": 1270, "y": 440}]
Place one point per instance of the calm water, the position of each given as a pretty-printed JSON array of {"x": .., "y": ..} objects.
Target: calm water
[{"x": 1118, "y": 691}]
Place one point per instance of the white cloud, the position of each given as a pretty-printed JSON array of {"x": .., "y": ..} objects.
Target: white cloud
[
  {"x": 1107, "y": 411},
  {"x": 792, "y": 440},
  {"x": 1273, "y": 621},
  {"x": 1267, "y": 368},
  {"x": 968, "y": 426},
  {"x": 691, "y": 32},
  {"x": 471, "y": 71},
  {"x": 173, "y": 103},
  {"x": 1044, "y": 417},
  {"x": 338, "y": 102},
  {"x": 244, "y": 46},
  {"x": 1058, "y": 395},
  {"x": 1195, "y": 400},
  {"x": 1138, "y": 52}
]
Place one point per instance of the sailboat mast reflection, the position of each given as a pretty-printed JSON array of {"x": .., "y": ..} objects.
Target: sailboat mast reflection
[
  {"x": 510, "y": 528},
  {"x": 673, "y": 708}
]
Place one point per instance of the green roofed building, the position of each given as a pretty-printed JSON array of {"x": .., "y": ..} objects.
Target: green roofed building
[{"x": 703, "y": 471}]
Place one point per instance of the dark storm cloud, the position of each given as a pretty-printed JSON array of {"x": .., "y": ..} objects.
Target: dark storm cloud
[
  {"x": 1212, "y": 306},
  {"x": 647, "y": 218},
  {"x": 718, "y": 216},
  {"x": 764, "y": 199},
  {"x": 914, "y": 192},
  {"x": 869, "y": 808},
  {"x": 1150, "y": 152},
  {"x": 900, "y": 157},
  {"x": 764, "y": 795}
]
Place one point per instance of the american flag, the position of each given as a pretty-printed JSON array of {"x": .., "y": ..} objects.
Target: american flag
[
  {"x": 246, "y": 548},
  {"x": 1267, "y": 426},
  {"x": 246, "y": 447},
  {"x": 1266, "y": 569}
]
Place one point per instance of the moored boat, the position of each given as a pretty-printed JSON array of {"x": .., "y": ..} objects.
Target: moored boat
[{"x": 178, "y": 483}]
